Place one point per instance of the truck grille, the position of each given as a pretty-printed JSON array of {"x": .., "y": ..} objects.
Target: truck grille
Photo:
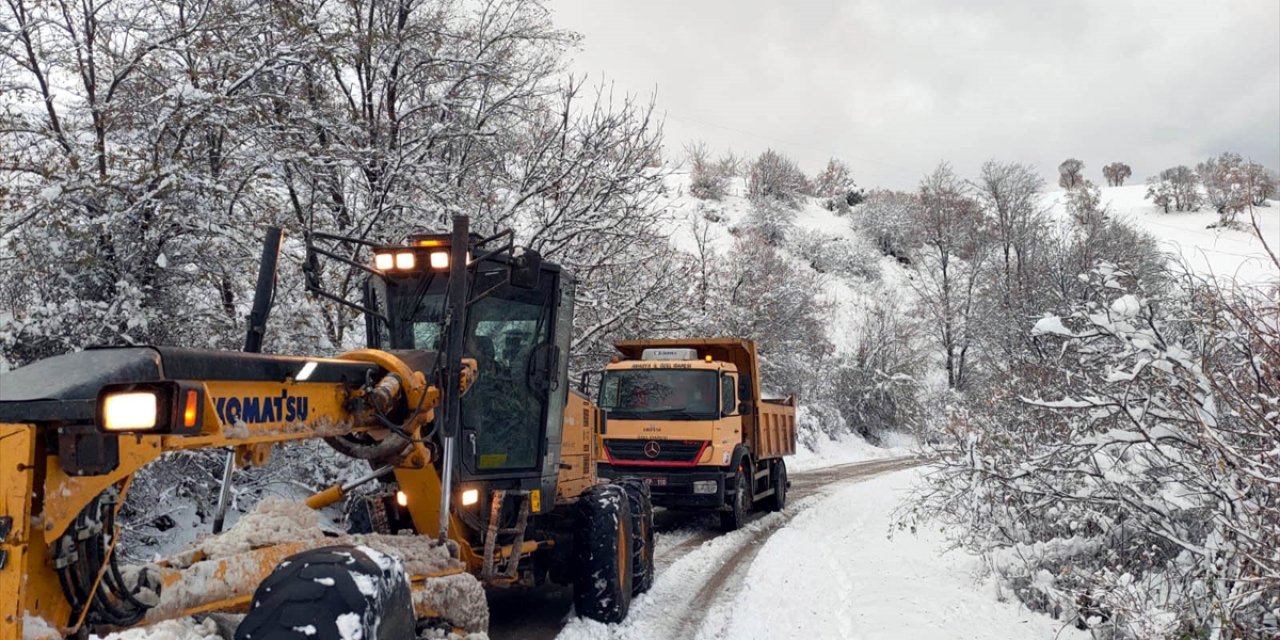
[{"x": 655, "y": 451}]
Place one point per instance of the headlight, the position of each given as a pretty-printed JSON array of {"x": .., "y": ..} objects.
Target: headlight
[
  {"x": 130, "y": 411},
  {"x": 405, "y": 260},
  {"x": 169, "y": 407},
  {"x": 440, "y": 260},
  {"x": 470, "y": 497}
]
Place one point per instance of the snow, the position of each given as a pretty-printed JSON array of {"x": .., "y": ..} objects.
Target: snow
[
  {"x": 1051, "y": 325},
  {"x": 37, "y": 628},
  {"x": 840, "y": 569},
  {"x": 185, "y": 629},
  {"x": 847, "y": 448},
  {"x": 1229, "y": 253},
  {"x": 860, "y": 578},
  {"x": 275, "y": 520},
  {"x": 349, "y": 627}
]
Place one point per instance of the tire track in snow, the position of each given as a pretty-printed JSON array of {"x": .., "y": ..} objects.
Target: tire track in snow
[
  {"x": 722, "y": 587},
  {"x": 687, "y": 595}
]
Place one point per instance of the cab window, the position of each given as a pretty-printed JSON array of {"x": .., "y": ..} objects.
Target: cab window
[{"x": 728, "y": 396}]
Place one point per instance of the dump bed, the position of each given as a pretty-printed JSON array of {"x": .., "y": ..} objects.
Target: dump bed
[
  {"x": 776, "y": 435},
  {"x": 769, "y": 429}
]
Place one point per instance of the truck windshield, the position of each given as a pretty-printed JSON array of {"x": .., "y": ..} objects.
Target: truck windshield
[{"x": 666, "y": 394}]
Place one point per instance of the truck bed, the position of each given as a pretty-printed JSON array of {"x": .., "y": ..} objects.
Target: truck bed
[{"x": 776, "y": 429}]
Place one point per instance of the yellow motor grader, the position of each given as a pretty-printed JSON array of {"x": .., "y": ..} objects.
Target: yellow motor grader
[{"x": 484, "y": 462}]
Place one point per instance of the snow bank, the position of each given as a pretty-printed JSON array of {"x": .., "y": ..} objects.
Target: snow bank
[
  {"x": 847, "y": 448},
  {"x": 835, "y": 572}
]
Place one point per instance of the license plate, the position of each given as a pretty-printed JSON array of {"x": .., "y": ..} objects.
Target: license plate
[{"x": 657, "y": 482}]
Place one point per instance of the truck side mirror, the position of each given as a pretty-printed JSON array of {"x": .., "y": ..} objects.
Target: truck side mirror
[
  {"x": 526, "y": 266},
  {"x": 744, "y": 408},
  {"x": 584, "y": 381}
]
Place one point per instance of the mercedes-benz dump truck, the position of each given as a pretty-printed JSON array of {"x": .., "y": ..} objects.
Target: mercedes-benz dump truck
[{"x": 687, "y": 415}]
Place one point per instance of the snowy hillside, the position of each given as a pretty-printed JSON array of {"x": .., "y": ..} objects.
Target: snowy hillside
[
  {"x": 1226, "y": 253},
  {"x": 850, "y": 295},
  {"x": 853, "y": 278}
]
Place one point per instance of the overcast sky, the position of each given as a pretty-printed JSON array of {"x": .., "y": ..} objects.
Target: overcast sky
[{"x": 894, "y": 86}]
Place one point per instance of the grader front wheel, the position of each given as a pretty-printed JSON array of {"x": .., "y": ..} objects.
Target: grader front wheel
[{"x": 602, "y": 583}]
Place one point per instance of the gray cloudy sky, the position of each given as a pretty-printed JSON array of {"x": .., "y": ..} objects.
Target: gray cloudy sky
[{"x": 894, "y": 86}]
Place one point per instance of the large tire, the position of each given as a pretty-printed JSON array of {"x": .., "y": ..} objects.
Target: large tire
[
  {"x": 314, "y": 595},
  {"x": 602, "y": 582},
  {"x": 641, "y": 534},
  {"x": 735, "y": 516},
  {"x": 778, "y": 481}
]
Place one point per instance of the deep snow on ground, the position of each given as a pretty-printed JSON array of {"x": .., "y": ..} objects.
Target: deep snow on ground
[
  {"x": 1228, "y": 253},
  {"x": 836, "y": 572}
]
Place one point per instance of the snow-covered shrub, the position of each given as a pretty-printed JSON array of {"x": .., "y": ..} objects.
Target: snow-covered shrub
[
  {"x": 836, "y": 255},
  {"x": 1176, "y": 188},
  {"x": 1232, "y": 185},
  {"x": 770, "y": 219},
  {"x": 880, "y": 380},
  {"x": 1129, "y": 474},
  {"x": 887, "y": 218},
  {"x": 776, "y": 177},
  {"x": 708, "y": 179}
]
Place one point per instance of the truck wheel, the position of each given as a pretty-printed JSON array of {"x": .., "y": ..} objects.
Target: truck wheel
[
  {"x": 642, "y": 574},
  {"x": 332, "y": 593},
  {"x": 603, "y": 575},
  {"x": 778, "y": 501},
  {"x": 739, "y": 503}
]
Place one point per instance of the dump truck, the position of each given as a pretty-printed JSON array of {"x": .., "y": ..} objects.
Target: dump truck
[
  {"x": 480, "y": 464},
  {"x": 687, "y": 416}
]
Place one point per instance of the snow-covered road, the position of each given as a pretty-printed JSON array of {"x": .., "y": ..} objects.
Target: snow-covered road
[{"x": 825, "y": 568}]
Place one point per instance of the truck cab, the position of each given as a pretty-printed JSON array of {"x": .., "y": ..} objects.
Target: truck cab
[{"x": 687, "y": 416}]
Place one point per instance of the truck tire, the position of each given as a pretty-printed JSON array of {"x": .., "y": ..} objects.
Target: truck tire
[
  {"x": 735, "y": 516},
  {"x": 778, "y": 482},
  {"x": 602, "y": 581},
  {"x": 314, "y": 595},
  {"x": 641, "y": 504}
]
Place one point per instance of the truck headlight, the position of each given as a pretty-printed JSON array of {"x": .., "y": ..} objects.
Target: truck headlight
[{"x": 705, "y": 486}]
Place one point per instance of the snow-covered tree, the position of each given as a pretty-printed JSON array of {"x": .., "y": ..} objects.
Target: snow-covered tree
[
  {"x": 1232, "y": 184},
  {"x": 1070, "y": 173},
  {"x": 1124, "y": 476},
  {"x": 836, "y": 186},
  {"x": 956, "y": 249},
  {"x": 774, "y": 176},
  {"x": 1176, "y": 188},
  {"x": 1116, "y": 173}
]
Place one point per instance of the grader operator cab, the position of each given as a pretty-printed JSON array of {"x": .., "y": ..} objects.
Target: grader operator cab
[{"x": 460, "y": 407}]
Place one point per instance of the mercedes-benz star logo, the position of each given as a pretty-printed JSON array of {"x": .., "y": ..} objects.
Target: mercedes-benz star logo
[{"x": 652, "y": 449}]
